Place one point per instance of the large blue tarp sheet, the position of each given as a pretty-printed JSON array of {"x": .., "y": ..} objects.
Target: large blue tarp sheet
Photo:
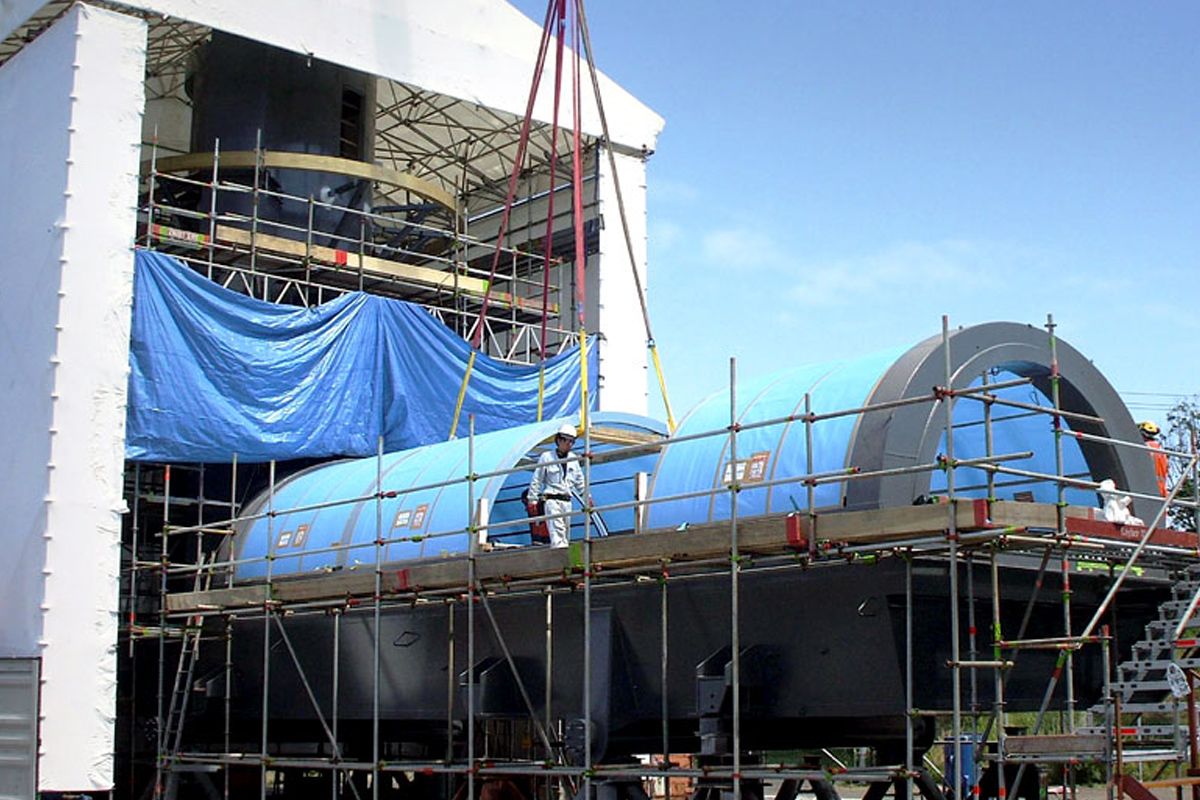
[{"x": 214, "y": 373}]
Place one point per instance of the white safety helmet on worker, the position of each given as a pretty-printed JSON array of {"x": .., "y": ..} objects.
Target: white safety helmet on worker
[{"x": 568, "y": 430}]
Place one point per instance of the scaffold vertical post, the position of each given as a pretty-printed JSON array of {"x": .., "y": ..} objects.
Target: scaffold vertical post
[
  {"x": 266, "y": 654},
  {"x": 308, "y": 246},
  {"x": 973, "y": 654},
  {"x": 200, "y": 503},
  {"x": 152, "y": 188},
  {"x": 228, "y": 702},
  {"x": 588, "y": 766},
  {"x": 134, "y": 569},
  {"x": 952, "y": 535},
  {"x": 1061, "y": 532},
  {"x": 548, "y": 697},
  {"x": 233, "y": 507},
  {"x": 989, "y": 446},
  {"x": 212, "y": 204},
  {"x": 450, "y": 648},
  {"x": 254, "y": 201},
  {"x": 134, "y": 529},
  {"x": 377, "y": 612},
  {"x": 1061, "y": 510},
  {"x": 664, "y": 676},
  {"x": 335, "y": 681},
  {"x": 1109, "y": 718},
  {"x": 810, "y": 488},
  {"x": 472, "y": 554},
  {"x": 160, "y": 718},
  {"x": 1119, "y": 769},
  {"x": 909, "y": 711},
  {"x": 362, "y": 251},
  {"x": 734, "y": 567},
  {"x": 998, "y": 679}
]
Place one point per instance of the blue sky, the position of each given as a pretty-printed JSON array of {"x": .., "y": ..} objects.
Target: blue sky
[{"x": 835, "y": 176}]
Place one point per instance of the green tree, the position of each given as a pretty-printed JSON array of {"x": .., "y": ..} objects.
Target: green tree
[{"x": 1182, "y": 434}]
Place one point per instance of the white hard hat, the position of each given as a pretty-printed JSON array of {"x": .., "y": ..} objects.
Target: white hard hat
[{"x": 567, "y": 429}]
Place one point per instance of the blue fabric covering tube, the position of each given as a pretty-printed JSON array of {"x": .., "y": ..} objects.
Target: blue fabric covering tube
[
  {"x": 427, "y": 510},
  {"x": 213, "y": 373},
  {"x": 779, "y": 451}
]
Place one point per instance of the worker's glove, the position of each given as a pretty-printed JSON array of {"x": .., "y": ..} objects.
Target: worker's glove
[{"x": 532, "y": 508}]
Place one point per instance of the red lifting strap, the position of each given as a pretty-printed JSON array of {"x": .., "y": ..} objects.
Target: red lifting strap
[{"x": 556, "y": 20}]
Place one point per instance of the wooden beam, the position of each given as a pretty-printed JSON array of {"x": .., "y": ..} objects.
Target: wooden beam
[
  {"x": 351, "y": 260},
  {"x": 1054, "y": 744},
  {"x": 309, "y": 162},
  {"x": 1168, "y": 783},
  {"x": 760, "y": 535},
  {"x": 756, "y": 535},
  {"x": 625, "y": 438}
]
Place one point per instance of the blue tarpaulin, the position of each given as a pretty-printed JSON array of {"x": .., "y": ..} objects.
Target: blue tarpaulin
[{"x": 214, "y": 373}]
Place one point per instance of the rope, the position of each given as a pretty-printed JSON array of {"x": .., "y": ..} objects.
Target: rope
[
  {"x": 548, "y": 244},
  {"x": 577, "y": 198},
  {"x": 612, "y": 163},
  {"x": 541, "y": 387},
  {"x": 522, "y": 144}
]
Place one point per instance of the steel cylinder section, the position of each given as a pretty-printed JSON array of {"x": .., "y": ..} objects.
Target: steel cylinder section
[
  {"x": 247, "y": 94},
  {"x": 891, "y": 449},
  {"x": 911, "y": 435},
  {"x": 419, "y": 502}
]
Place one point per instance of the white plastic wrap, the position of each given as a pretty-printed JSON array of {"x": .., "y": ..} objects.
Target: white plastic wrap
[
  {"x": 476, "y": 50},
  {"x": 70, "y": 118},
  {"x": 623, "y": 354}
]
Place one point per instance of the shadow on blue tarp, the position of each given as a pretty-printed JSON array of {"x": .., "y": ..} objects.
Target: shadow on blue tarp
[{"x": 213, "y": 373}]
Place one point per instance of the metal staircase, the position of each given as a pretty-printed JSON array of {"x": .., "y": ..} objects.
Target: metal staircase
[{"x": 1153, "y": 724}]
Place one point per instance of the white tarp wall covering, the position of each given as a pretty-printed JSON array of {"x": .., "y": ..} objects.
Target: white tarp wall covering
[
  {"x": 476, "y": 50},
  {"x": 623, "y": 353},
  {"x": 70, "y": 122}
]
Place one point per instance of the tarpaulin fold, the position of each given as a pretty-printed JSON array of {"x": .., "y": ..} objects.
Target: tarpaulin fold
[{"x": 214, "y": 373}]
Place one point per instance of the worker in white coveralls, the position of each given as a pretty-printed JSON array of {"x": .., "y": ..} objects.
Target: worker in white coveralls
[{"x": 552, "y": 482}]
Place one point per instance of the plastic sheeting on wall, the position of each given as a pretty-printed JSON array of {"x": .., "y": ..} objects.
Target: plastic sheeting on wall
[{"x": 214, "y": 373}]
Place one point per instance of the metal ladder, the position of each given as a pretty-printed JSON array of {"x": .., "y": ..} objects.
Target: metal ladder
[{"x": 189, "y": 652}]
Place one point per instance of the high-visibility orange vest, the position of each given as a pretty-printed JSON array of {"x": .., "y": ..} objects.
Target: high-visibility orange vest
[{"x": 1160, "y": 466}]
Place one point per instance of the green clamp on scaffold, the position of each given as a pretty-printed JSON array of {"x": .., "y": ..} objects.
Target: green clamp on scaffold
[{"x": 575, "y": 553}]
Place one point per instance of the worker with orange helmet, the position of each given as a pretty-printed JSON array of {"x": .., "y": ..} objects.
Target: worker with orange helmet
[{"x": 1150, "y": 433}]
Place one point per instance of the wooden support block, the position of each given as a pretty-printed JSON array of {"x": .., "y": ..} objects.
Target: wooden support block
[{"x": 1082, "y": 744}]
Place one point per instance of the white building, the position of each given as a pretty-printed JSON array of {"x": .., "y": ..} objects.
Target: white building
[{"x": 90, "y": 95}]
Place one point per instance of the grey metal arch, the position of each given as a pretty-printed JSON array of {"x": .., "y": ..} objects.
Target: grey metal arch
[{"x": 911, "y": 434}]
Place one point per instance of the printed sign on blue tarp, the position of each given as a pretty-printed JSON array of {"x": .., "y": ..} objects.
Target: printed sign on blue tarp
[{"x": 214, "y": 372}]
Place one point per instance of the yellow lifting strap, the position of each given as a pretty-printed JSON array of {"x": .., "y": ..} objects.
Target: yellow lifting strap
[
  {"x": 583, "y": 379},
  {"x": 612, "y": 165},
  {"x": 662, "y": 387},
  {"x": 541, "y": 388},
  {"x": 462, "y": 394}
]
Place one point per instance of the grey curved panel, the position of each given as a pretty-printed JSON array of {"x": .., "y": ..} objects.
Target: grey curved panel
[{"x": 911, "y": 435}]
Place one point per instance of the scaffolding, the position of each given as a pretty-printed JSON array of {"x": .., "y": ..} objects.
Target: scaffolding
[
  {"x": 414, "y": 244},
  {"x": 188, "y": 600}
]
